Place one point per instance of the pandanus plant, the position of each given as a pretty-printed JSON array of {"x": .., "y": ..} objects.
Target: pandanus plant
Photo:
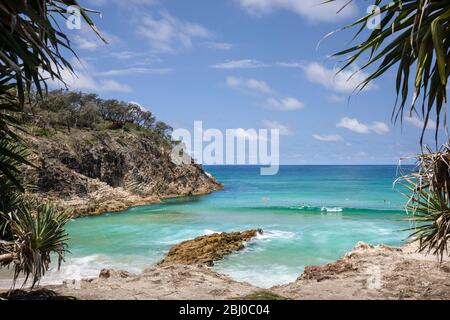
[
  {"x": 412, "y": 37},
  {"x": 30, "y": 231},
  {"x": 32, "y": 51},
  {"x": 37, "y": 231},
  {"x": 429, "y": 201}
]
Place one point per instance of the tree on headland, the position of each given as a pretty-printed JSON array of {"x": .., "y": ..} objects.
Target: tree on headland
[
  {"x": 76, "y": 110},
  {"x": 163, "y": 129},
  {"x": 32, "y": 47},
  {"x": 413, "y": 39}
]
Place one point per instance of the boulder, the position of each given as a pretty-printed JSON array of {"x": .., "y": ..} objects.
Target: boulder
[{"x": 205, "y": 250}]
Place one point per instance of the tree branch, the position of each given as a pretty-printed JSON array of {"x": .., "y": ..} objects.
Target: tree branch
[{"x": 6, "y": 258}]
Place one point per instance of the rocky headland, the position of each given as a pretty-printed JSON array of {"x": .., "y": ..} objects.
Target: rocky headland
[{"x": 90, "y": 172}]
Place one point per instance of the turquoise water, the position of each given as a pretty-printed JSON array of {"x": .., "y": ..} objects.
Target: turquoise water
[{"x": 309, "y": 214}]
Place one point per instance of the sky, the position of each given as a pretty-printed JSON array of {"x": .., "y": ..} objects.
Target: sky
[{"x": 245, "y": 64}]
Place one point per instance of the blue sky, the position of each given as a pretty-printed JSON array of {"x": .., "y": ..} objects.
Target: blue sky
[{"x": 245, "y": 64}]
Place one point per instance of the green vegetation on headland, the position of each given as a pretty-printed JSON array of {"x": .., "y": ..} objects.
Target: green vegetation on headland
[{"x": 68, "y": 110}]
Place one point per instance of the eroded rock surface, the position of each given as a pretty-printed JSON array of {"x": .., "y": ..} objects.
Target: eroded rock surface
[
  {"x": 374, "y": 272},
  {"x": 366, "y": 272},
  {"x": 91, "y": 172},
  {"x": 169, "y": 282},
  {"x": 205, "y": 250}
]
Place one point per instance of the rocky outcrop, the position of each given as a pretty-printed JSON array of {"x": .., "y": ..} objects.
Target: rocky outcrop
[
  {"x": 91, "y": 172},
  {"x": 366, "y": 272},
  {"x": 374, "y": 272},
  {"x": 205, "y": 250},
  {"x": 169, "y": 282}
]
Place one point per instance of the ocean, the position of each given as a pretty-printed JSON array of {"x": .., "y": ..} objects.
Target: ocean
[{"x": 309, "y": 214}]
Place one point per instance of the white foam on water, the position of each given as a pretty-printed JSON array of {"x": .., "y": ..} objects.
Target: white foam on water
[
  {"x": 265, "y": 276},
  {"x": 72, "y": 269},
  {"x": 209, "y": 232},
  {"x": 269, "y": 235},
  {"x": 332, "y": 209},
  {"x": 208, "y": 174},
  {"x": 178, "y": 237}
]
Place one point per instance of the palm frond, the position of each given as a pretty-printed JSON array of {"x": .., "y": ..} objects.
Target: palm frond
[
  {"x": 413, "y": 37},
  {"x": 431, "y": 217},
  {"x": 38, "y": 231},
  {"x": 32, "y": 48},
  {"x": 429, "y": 200}
]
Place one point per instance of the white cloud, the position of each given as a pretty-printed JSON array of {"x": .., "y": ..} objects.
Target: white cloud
[
  {"x": 138, "y": 104},
  {"x": 416, "y": 122},
  {"x": 86, "y": 39},
  {"x": 379, "y": 127},
  {"x": 354, "y": 125},
  {"x": 87, "y": 44},
  {"x": 289, "y": 64},
  {"x": 124, "y": 55},
  {"x": 124, "y": 3},
  {"x": 334, "y": 98},
  {"x": 362, "y": 154},
  {"x": 328, "y": 138},
  {"x": 286, "y": 104},
  {"x": 166, "y": 33},
  {"x": 133, "y": 71},
  {"x": 218, "y": 45},
  {"x": 239, "y": 64},
  {"x": 241, "y": 133},
  {"x": 313, "y": 10},
  {"x": 248, "y": 85},
  {"x": 284, "y": 130},
  {"x": 135, "y": 58},
  {"x": 82, "y": 80},
  {"x": 345, "y": 81}
]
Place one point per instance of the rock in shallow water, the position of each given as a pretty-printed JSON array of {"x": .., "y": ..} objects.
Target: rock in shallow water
[{"x": 205, "y": 250}]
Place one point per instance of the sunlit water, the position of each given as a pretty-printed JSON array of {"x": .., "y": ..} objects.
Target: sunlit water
[{"x": 309, "y": 214}]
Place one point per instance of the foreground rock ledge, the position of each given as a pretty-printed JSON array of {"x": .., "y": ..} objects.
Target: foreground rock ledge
[
  {"x": 367, "y": 272},
  {"x": 374, "y": 272},
  {"x": 205, "y": 250}
]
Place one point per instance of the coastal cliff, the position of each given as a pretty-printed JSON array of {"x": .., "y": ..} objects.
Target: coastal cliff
[
  {"x": 93, "y": 155},
  {"x": 90, "y": 172}
]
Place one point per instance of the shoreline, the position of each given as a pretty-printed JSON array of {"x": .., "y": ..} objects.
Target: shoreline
[
  {"x": 119, "y": 206},
  {"x": 365, "y": 272}
]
